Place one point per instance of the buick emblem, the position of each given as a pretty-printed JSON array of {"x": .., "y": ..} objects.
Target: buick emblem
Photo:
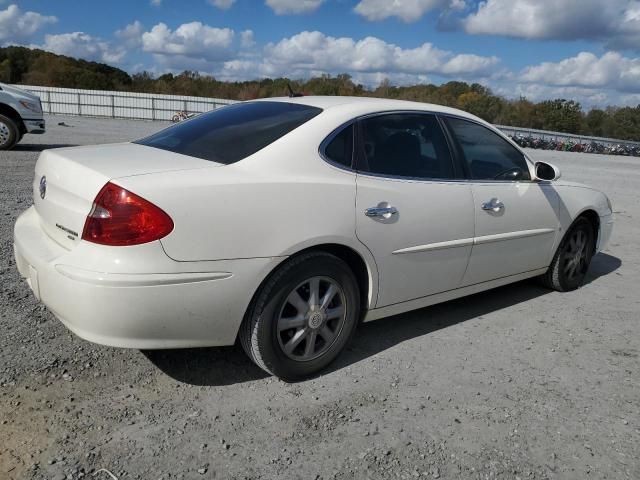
[{"x": 43, "y": 187}]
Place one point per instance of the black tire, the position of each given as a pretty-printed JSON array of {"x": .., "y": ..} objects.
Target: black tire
[
  {"x": 571, "y": 262},
  {"x": 9, "y": 133},
  {"x": 262, "y": 336}
]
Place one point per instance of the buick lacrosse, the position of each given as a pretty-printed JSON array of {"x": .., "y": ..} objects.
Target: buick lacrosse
[{"x": 283, "y": 223}]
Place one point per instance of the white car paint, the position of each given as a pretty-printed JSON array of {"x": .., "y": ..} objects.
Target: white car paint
[
  {"x": 234, "y": 224},
  {"x": 511, "y": 242},
  {"x": 408, "y": 246}
]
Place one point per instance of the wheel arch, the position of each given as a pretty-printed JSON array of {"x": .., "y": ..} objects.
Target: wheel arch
[
  {"x": 362, "y": 265},
  {"x": 12, "y": 113},
  {"x": 361, "y": 269},
  {"x": 591, "y": 216},
  {"x": 594, "y": 219}
]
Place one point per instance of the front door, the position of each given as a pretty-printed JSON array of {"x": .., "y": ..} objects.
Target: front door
[
  {"x": 516, "y": 221},
  {"x": 412, "y": 212}
]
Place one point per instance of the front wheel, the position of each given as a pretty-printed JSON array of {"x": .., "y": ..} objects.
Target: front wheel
[
  {"x": 9, "y": 134},
  {"x": 302, "y": 317},
  {"x": 571, "y": 262}
]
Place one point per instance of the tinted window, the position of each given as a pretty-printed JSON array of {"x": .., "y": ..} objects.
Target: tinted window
[
  {"x": 340, "y": 148},
  {"x": 234, "y": 132},
  {"x": 489, "y": 156},
  {"x": 407, "y": 145}
]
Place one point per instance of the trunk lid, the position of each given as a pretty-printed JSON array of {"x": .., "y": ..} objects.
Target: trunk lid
[{"x": 67, "y": 181}]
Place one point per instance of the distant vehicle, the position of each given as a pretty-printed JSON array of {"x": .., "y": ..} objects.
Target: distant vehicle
[
  {"x": 286, "y": 222},
  {"x": 569, "y": 146},
  {"x": 20, "y": 113},
  {"x": 181, "y": 115}
]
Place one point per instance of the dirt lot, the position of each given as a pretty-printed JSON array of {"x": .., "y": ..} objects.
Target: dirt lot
[{"x": 518, "y": 382}]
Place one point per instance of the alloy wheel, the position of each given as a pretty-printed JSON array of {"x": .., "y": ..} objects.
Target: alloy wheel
[
  {"x": 311, "y": 318},
  {"x": 576, "y": 255},
  {"x": 5, "y": 133}
]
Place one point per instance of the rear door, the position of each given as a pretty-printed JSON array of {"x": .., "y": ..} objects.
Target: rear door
[
  {"x": 516, "y": 219},
  {"x": 412, "y": 211}
]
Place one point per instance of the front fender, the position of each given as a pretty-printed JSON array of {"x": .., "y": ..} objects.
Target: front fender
[{"x": 574, "y": 201}]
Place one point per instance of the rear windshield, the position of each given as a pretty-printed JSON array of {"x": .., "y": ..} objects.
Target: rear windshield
[{"x": 231, "y": 133}]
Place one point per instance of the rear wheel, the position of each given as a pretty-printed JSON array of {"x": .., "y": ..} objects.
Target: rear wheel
[
  {"x": 302, "y": 317},
  {"x": 571, "y": 262},
  {"x": 9, "y": 134}
]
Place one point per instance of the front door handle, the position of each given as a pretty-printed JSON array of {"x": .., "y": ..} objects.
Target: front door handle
[
  {"x": 381, "y": 212},
  {"x": 494, "y": 205}
]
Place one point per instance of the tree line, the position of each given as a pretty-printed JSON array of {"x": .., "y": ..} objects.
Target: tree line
[{"x": 21, "y": 65}]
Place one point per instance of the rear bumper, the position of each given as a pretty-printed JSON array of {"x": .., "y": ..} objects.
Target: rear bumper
[
  {"x": 34, "y": 126},
  {"x": 188, "y": 304}
]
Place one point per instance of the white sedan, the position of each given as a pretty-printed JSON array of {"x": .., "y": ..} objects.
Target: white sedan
[{"x": 285, "y": 222}]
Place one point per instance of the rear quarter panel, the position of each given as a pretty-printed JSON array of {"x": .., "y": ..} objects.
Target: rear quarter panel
[
  {"x": 227, "y": 213},
  {"x": 273, "y": 203}
]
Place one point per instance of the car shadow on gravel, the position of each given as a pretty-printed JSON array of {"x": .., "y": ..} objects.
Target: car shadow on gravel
[
  {"x": 214, "y": 366},
  {"x": 38, "y": 147},
  {"x": 601, "y": 265},
  {"x": 375, "y": 337},
  {"x": 229, "y": 365}
]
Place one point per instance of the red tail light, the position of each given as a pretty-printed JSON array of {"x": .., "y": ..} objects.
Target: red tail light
[{"x": 119, "y": 218}]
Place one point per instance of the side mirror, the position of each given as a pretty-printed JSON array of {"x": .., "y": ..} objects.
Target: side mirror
[{"x": 546, "y": 171}]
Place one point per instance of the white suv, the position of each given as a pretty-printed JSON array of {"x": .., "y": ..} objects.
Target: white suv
[{"x": 20, "y": 113}]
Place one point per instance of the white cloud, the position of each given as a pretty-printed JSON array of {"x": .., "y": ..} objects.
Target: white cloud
[
  {"x": 616, "y": 22},
  {"x": 156, "y": 3},
  {"x": 611, "y": 70},
  {"x": 369, "y": 60},
  {"x": 315, "y": 51},
  {"x": 222, "y": 4},
  {"x": 466, "y": 63},
  {"x": 131, "y": 35},
  {"x": 588, "y": 98},
  {"x": 16, "y": 25},
  {"x": 190, "y": 40},
  {"x": 246, "y": 39},
  {"x": 406, "y": 10},
  {"x": 290, "y": 7},
  {"x": 82, "y": 45}
]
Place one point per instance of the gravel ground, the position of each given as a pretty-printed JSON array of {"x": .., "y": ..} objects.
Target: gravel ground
[{"x": 518, "y": 382}]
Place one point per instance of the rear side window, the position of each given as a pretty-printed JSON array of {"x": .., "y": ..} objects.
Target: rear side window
[
  {"x": 340, "y": 148},
  {"x": 488, "y": 156},
  {"x": 232, "y": 133}
]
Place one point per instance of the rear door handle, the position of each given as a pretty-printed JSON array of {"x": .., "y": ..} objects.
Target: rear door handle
[
  {"x": 381, "y": 212},
  {"x": 494, "y": 205}
]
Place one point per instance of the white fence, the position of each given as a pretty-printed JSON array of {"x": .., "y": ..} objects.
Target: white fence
[
  {"x": 102, "y": 103},
  {"x": 145, "y": 106}
]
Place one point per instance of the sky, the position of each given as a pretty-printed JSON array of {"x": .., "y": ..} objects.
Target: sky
[{"x": 586, "y": 50}]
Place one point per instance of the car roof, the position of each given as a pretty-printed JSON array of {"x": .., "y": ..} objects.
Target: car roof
[{"x": 372, "y": 104}]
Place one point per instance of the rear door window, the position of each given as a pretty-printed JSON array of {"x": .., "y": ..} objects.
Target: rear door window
[
  {"x": 234, "y": 132},
  {"x": 405, "y": 145}
]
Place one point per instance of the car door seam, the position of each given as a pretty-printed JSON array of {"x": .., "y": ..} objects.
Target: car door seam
[{"x": 374, "y": 301}]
